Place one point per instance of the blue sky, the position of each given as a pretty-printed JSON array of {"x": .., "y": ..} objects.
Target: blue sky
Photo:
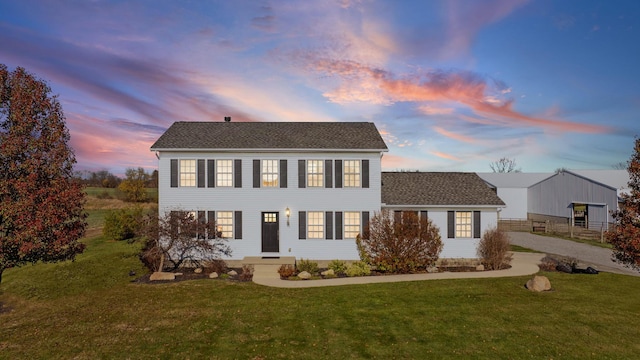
[{"x": 451, "y": 85}]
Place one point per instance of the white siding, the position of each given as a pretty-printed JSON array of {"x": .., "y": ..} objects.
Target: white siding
[
  {"x": 252, "y": 201},
  {"x": 458, "y": 247}
]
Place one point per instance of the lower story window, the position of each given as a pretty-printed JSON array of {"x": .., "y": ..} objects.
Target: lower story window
[
  {"x": 351, "y": 224},
  {"x": 315, "y": 225},
  {"x": 224, "y": 223},
  {"x": 463, "y": 224}
]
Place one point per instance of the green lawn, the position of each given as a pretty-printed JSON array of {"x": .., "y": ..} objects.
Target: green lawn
[{"x": 90, "y": 309}]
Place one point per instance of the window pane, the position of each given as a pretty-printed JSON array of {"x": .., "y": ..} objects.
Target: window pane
[
  {"x": 224, "y": 173},
  {"x": 315, "y": 173},
  {"x": 315, "y": 225},
  {"x": 187, "y": 173},
  {"x": 224, "y": 223},
  {"x": 352, "y": 173},
  {"x": 463, "y": 224},
  {"x": 270, "y": 173},
  {"x": 351, "y": 224}
]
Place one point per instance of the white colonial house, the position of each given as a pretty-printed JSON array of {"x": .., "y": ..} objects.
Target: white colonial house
[{"x": 305, "y": 190}]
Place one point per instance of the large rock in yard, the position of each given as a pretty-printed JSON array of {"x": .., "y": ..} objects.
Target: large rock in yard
[
  {"x": 197, "y": 270},
  {"x": 213, "y": 275},
  {"x": 232, "y": 273},
  {"x": 538, "y": 284},
  {"x": 304, "y": 275},
  {"x": 160, "y": 276},
  {"x": 328, "y": 272}
]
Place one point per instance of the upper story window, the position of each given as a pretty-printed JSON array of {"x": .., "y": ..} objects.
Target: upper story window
[
  {"x": 270, "y": 173},
  {"x": 351, "y": 173},
  {"x": 463, "y": 224},
  {"x": 187, "y": 172},
  {"x": 351, "y": 224},
  {"x": 224, "y": 173},
  {"x": 315, "y": 173},
  {"x": 315, "y": 225}
]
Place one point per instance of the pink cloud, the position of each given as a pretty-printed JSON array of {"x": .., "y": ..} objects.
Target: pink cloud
[
  {"x": 454, "y": 136},
  {"x": 466, "y": 88},
  {"x": 445, "y": 156}
]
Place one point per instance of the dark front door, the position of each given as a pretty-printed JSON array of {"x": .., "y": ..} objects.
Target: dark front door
[{"x": 270, "y": 232}]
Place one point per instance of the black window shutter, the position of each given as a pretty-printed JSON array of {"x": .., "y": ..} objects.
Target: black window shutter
[
  {"x": 302, "y": 174},
  {"x": 451, "y": 224},
  {"x": 238, "y": 224},
  {"x": 365, "y": 221},
  {"x": 338, "y": 225},
  {"x": 283, "y": 173},
  {"x": 302, "y": 225},
  {"x": 211, "y": 173},
  {"x": 424, "y": 215},
  {"x": 365, "y": 173},
  {"x": 211, "y": 215},
  {"x": 200, "y": 169},
  {"x": 338, "y": 174},
  {"x": 328, "y": 174},
  {"x": 476, "y": 224},
  {"x": 202, "y": 220},
  {"x": 237, "y": 175},
  {"x": 328, "y": 225},
  {"x": 174, "y": 172},
  {"x": 256, "y": 173}
]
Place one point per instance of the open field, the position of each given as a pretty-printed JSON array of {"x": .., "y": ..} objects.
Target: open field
[{"x": 90, "y": 309}]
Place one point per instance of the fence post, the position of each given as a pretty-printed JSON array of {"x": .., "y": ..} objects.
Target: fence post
[{"x": 602, "y": 233}]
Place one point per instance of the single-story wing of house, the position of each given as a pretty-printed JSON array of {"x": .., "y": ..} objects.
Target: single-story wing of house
[{"x": 460, "y": 204}]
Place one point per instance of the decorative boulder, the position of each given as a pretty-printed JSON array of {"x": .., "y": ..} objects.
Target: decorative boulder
[
  {"x": 480, "y": 267},
  {"x": 197, "y": 270},
  {"x": 538, "y": 284},
  {"x": 564, "y": 268},
  {"x": 304, "y": 275},
  {"x": 591, "y": 271},
  {"x": 232, "y": 273},
  {"x": 213, "y": 275},
  {"x": 160, "y": 276},
  {"x": 328, "y": 272}
]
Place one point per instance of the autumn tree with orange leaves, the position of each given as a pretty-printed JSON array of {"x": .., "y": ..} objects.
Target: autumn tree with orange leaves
[
  {"x": 41, "y": 205},
  {"x": 625, "y": 236}
]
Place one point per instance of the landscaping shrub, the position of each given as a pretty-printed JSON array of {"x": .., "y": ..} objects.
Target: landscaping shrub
[
  {"x": 358, "y": 268},
  {"x": 286, "y": 271},
  {"x": 307, "y": 265},
  {"x": 215, "y": 266},
  {"x": 338, "y": 266},
  {"x": 123, "y": 224},
  {"x": 247, "y": 273},
  {"x": 403, "y": 245},
  {"x": 182, "y": 239},
  {"x": 493, "y": 249}
]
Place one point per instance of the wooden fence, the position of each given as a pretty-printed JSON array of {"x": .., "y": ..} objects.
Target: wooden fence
[{"x": 595, "y": 231}]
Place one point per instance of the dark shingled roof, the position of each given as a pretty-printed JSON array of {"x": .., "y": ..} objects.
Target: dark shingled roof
[
  {"x": 436, "y": 188},
  {"x": 271, "y": 135}
]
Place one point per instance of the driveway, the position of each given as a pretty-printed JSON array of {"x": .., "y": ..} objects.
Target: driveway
[{"x": 588, "y": 255}]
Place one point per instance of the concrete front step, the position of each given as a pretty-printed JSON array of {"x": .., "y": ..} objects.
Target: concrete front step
[{"x": 269, "y": 260}]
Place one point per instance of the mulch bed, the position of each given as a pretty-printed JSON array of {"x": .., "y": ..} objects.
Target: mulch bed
[{"x": 188, "y": 274}]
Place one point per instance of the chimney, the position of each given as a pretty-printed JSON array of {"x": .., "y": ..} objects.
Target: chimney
[{"x": 227, "y": 119}]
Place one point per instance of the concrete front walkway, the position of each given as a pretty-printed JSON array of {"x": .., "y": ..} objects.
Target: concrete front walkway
[{"x": 521, "y": 265}]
